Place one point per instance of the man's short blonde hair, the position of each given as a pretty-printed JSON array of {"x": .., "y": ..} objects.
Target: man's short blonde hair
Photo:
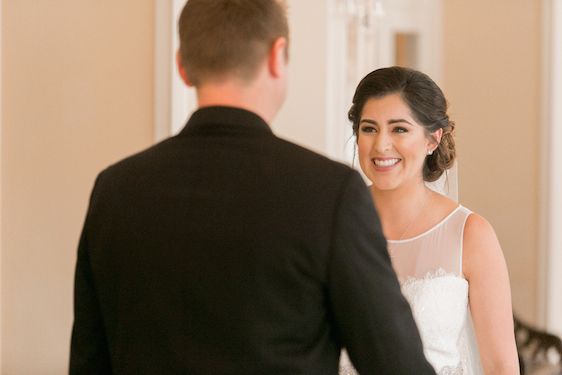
[{"x": 229, "y": 37}]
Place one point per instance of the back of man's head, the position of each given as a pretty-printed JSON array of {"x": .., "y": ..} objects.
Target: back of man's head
[{"x": 222, "y": 38}]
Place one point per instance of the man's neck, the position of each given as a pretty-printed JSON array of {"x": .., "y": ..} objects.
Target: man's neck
[{"x": 233, "y": 94}]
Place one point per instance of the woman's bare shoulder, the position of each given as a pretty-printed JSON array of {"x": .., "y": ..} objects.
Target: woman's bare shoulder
[
  {"x": 481, "y": 248},
  {"x": 478, "y": 230}
]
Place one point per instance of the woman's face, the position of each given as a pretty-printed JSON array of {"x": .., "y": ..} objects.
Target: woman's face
[{"x": 392, "y": 145}]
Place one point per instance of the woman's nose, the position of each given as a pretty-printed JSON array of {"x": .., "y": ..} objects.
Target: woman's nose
[{"x": 382, "y": 142}]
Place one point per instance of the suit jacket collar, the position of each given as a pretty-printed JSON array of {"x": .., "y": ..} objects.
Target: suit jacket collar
[{"x": 225, "y": 120}]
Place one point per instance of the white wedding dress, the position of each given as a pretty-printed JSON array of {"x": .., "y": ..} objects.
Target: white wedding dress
[{"x": 429, "y": 268}]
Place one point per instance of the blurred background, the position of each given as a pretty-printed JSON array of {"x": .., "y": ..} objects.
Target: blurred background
[{"x": 86, "y": 83}]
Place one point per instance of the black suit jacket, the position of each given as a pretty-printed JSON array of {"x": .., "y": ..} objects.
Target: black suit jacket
[{"x": 226, "y": 250}]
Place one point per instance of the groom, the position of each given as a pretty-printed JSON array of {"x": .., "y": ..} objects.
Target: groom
[{"x": 226, "y": 250}]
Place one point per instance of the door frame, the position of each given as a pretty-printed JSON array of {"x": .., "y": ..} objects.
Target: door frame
[
  {"x": 550, "y": 219},
  {"x": 173, "y": 101},
  {"x": 1, "y": 195}
]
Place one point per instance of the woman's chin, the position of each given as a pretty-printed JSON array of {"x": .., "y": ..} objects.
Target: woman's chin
[{"x": 384, "y": 185}]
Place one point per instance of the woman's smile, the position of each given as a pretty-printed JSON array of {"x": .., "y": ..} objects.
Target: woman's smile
[{"x": 384, "y": 164}]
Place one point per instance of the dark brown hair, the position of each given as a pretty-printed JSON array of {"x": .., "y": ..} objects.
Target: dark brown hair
[
  {"x": 426, "y": 102},
  {"x": 221, "y": 37}
]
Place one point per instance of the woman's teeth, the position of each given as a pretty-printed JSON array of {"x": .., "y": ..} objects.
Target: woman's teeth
[{"x": 385, "y": 162}]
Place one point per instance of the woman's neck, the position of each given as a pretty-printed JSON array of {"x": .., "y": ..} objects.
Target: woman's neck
[{"x": 399, "y": 209}]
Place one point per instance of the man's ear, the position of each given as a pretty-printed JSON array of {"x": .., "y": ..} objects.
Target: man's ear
[
  {"x": 277, "y": 58},
  {"x": 181, "y": 70}
]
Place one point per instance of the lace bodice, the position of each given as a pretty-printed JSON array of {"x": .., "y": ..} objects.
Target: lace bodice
[
  {"x": 439, "y": 302},
  {"x": 429, "y": 267}
]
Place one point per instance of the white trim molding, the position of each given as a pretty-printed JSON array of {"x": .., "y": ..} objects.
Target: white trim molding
[
  {"x": 173, "y": 101},
  {"x": 1, "y": 196},
  {"x": 543, "y": 230},
  {"x": 162, "y": 68},
  {"x": 550, "y": 267}
]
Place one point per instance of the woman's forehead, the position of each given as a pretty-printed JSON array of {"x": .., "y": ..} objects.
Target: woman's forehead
[{"x": 391, "y": 105}]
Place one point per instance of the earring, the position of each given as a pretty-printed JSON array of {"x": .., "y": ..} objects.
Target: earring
[{"x": 430, "y": 152}]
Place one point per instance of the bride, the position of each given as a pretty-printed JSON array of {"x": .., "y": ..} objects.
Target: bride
[{"x": 447, "y": 258}]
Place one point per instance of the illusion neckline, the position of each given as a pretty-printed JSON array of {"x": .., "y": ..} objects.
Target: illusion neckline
[{"x": 429, "y": 230}]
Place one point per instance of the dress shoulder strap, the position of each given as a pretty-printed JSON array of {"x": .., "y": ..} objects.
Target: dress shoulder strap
[{"x": 454, "y": 226}]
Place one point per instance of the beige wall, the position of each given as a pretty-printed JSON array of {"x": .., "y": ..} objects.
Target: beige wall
[
  {"x": 492, "y": 80},
  {"x": 76, "y": 96}
]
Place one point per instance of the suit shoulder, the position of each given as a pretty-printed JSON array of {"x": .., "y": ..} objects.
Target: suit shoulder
[
  {"x": 133, "y": 166},
  {"x": 306, "y": 158}
]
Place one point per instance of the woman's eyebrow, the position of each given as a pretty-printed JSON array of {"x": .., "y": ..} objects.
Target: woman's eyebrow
[
  {"x": 369, "y": 121},
  {"x": 399, "y": 120}
]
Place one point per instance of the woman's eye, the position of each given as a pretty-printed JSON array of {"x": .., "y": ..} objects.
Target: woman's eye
[
  {"x": 368, "y": 129},
  {"x": 399, "y": 129}
]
